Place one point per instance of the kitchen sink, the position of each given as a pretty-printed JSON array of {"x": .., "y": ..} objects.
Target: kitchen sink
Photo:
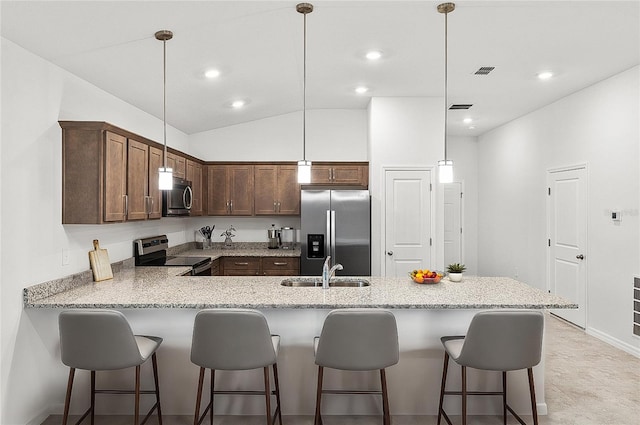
[{"x": 334, "y": 282}]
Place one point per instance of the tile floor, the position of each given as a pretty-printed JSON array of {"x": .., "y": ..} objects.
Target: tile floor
[{"x": 588, "y": 382}]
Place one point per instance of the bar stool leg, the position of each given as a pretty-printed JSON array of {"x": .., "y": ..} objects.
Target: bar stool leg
[
  {"x": 136, "y": 415},
  {"x": 464, "y": 395},
  {"x": 504, "y": 397},
  {"x": 385, "y": 399},
  {"x": 211, "y": 393},
  {"x": 318, "y": 419},
  {"x": 442, "y": 386},
  {"x": 267, "y": 393},
  {"x": 93, "y": 395},
  {"x": 277, "y": 384},
  {"x": 154, "y": 362},
  {"x": 532, "y": 390},
  {"x": 199, "y": 396},
  {"x": 67, "y": 399}
]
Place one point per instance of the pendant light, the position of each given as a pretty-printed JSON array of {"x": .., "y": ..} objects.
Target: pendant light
[
  {"x": 445, "y": 166},
  {"x": 304, "y": 166},
  {"x": 165, "y": 174}
]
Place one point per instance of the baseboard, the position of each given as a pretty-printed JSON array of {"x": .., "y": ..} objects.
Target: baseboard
[
  {"x": 542, "y": 408},
  {"x": 634, "y": 351},
  {"x": 37, "y": 420}
]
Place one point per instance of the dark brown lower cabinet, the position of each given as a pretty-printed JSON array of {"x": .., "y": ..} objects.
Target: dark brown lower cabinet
[{"x": 260, "y": 266}]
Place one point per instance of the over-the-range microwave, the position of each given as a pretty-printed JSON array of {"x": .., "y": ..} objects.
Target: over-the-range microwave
[{"x": 177, "y": 201}]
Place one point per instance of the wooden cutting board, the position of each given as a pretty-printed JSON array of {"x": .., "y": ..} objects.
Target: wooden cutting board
[{"x": 99, "y": 260}]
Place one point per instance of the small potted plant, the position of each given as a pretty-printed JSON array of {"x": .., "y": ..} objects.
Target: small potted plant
[{"x": 455, "y": 271}]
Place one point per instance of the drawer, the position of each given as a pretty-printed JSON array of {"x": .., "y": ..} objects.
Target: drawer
[
  {"x": 242, "y": 266},
  {"x": 280, "y": 266}
]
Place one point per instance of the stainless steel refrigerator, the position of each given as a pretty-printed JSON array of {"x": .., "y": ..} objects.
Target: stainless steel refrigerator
[{"x": 336, "y": 223}]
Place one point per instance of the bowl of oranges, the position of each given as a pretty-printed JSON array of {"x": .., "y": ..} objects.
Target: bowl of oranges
[{"x": 425, "y": 276}]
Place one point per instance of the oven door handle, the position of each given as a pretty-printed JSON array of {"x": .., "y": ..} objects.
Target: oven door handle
[{"x": 200, "y": 269}]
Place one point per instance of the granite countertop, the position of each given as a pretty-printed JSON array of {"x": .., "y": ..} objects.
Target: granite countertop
[
  {"x": 216, "y": 253},
  {"x": 163, "y": 287},
  {"x": 239, "y": 249}
]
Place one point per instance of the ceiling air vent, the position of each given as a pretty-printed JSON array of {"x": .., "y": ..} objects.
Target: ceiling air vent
[
  {"x": 460, "y": 106},
  {"x": 484, "y": 70}
]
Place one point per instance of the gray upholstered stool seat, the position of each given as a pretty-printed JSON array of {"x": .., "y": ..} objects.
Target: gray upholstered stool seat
[
  {"x": 99, "y": 340},
  {"x": 357, "y": 339},
  {"x": 235, "y": 339},
  {"x": 499, "y": 341}
]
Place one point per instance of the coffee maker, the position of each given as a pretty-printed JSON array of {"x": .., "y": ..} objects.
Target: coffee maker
[{"x": 274, "y": 237}]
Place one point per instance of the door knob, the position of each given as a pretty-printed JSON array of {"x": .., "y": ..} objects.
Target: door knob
[
  {"x": 389, "y": 253},
  {"x": 580, "y": 257}
]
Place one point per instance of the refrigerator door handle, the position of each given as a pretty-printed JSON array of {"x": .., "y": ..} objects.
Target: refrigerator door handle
[
  {"x": 327, "y": 237},
  {"x": 333, "y": 237}
]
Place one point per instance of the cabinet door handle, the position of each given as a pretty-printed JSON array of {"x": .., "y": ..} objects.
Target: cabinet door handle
[
  {"x": 126, "y": 205},
  {"x": 278, "y": 206},
  {"x": 231, "y": 205},
  {"x": 241, "y": 264},
  {"x": 279, "y": 264},
  {"x": 329, "y": 174}
]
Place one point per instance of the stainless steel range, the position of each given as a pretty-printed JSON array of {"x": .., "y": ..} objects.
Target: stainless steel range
[{"x": 153, "y": 252}]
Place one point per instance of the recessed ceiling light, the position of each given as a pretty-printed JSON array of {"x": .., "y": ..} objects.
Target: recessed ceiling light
[
  {"x": 467, "y": 120},
  {"x": 362, "y": 89},
  {"x": 212, "y": 73},
  {"x": 373, "y": 55},
  {"x": 237, "y": 104},
  {"x": 545, "y": 75}
]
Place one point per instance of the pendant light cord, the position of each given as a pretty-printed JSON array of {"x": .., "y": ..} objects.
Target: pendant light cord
[
  {"x": 446, "y": 84},
  {"x": 164, "y": 99},
  {"x": 304, "y": 91}
]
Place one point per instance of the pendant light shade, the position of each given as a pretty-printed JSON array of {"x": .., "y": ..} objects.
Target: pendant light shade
[
  {"x": 445, "y": 171},
  {"x": 165, "y": 174},
  {"x": 445, "y": 166},
  {"x": 304, "y": 172},
  {"x": 304, "y": 166}
]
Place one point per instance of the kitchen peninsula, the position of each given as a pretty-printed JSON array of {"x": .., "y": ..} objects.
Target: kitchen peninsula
[{"x": 159, "y": 301}]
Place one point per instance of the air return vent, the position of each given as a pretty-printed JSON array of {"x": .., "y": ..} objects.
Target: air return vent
[
  {"x": 484, "y": 70},
  {"x": 460, "y": 106}
]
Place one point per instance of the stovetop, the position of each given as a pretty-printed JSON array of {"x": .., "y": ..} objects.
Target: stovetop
[{"x": 153, "y": 252}]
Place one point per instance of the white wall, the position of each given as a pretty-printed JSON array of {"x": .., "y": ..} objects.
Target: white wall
[
  {"x": 405, "y": 132},
  {"x": 464, "y": 153},
  {"x": 35, "y": 95},
  {"x": 332, "y": 135},
  {"x": 597, "y": 126}
]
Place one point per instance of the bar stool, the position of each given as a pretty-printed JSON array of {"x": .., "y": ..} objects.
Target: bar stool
[
  {"x": 235, "y": 339},
  {"x": 99, "y": 340},
  {"x": 357, "y": 339},
  {"x": 499, "y": 341}
]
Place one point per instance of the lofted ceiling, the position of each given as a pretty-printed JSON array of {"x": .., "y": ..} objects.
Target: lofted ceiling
[{"x": 257, "y": 46}]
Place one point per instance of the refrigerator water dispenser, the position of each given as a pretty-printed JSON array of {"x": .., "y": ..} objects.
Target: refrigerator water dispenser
[{"x": 315, "y": 246}]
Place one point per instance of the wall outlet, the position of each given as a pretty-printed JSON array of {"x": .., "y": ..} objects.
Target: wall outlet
[{"x": 65, "y": 256}]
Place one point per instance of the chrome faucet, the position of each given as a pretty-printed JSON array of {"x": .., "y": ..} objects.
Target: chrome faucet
[{"x": 327, "y": 272}]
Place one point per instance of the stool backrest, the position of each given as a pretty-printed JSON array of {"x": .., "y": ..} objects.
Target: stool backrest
[
  {"x": 503, "y": 340},
  {"x": 97, "y": 340},
  {"x": 358, "y": 339},
  {"x": 231, "y": 339}
]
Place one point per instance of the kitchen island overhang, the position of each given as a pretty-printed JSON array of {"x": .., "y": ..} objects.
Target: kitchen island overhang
[{"x": 158, "y": 302}]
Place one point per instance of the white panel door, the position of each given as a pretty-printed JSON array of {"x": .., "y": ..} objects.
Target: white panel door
[
  {"x": 407, "y": 221},
  {"x": 452, "y": 223},
  {"x": 567, "y": 240}
]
